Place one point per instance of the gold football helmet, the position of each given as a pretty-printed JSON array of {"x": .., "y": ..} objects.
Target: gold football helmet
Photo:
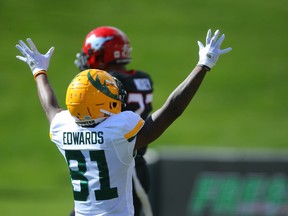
[{"x": 94, "y": 95}]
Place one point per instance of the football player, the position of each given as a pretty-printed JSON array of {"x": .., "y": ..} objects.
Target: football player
[
  {"x": 96, "y": 138},
  {"x": 108, "y": 48}
]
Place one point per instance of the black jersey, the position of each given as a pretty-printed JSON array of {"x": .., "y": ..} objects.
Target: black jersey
[{"x": 139, "y": 88}]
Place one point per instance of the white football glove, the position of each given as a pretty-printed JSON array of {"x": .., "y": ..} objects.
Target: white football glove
[
  {"x": 209, "y": 54},
  {"x": 36, "y": 61}
]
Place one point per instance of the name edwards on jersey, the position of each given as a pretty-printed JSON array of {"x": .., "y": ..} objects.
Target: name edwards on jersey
[{"x": 83, "y": 138}]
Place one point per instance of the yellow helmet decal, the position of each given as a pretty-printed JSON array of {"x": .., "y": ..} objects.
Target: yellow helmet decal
[{"x": 103, "y": 88}]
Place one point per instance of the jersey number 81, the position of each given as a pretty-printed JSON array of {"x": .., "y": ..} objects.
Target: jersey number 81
[{"x": 98, "y": 156}]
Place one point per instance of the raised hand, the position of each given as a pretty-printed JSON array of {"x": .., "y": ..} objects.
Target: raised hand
[
  {"x": 209, "y": 54},
  {"x": 36, "y": 61}
]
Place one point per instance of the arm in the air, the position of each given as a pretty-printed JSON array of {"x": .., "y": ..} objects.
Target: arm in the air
[
  {"x": 179, "y": 99},
  {"x": 39, "y": 64},
  {"x": 174, "y": 106},
  {"x": 47, "y": 97}
]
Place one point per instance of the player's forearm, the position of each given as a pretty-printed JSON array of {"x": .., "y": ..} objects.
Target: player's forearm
[
  {"x": 46, "y": 96},
  {"x": 183, "y": 94},
  {"x": 175, "y": 105}
]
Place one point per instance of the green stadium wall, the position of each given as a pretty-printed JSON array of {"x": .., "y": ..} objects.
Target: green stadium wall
[{"x": 219, "y": 182}]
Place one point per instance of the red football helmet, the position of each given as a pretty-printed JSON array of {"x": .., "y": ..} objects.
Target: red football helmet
[{"x": 103, "y": 46}]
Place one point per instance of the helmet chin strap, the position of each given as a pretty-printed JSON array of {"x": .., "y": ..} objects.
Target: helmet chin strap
[
  {"x": 106, "y": 112},
  {"x": 91, "y": 122}
]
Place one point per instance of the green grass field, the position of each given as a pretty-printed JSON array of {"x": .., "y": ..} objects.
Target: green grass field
[{"x": 241, "y": 104}]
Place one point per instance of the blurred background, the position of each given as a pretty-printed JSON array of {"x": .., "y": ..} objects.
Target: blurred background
[{"x": 241, "y": 106}]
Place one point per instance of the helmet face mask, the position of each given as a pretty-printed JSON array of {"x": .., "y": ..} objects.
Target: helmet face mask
[
  {"x": 92, "y": 96},
  {"x": 104, "y": 46}
]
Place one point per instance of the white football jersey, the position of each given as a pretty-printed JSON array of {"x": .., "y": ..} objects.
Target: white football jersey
[{"x": 100, "y": 161}]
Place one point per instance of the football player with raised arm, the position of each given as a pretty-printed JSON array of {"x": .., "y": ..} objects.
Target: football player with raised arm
[
  {"x": 108, "y": 48},
  {"x": 96, "y": 138}
]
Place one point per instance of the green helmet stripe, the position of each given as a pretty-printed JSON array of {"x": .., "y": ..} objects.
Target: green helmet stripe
[{"x": 103, "y": 88}]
